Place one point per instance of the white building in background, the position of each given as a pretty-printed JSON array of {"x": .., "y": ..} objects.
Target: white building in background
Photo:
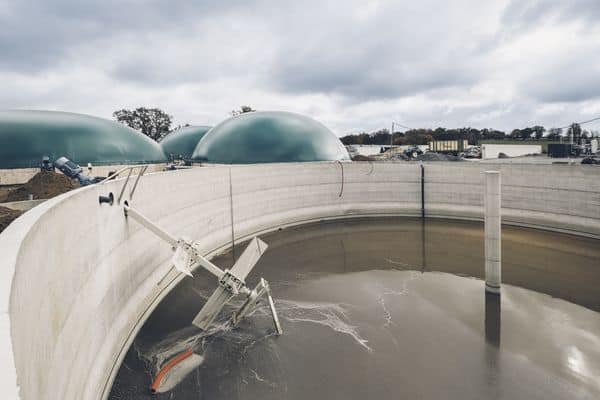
[
  {"x": 511, "y": 150},
  {"x": 375, "y": 149},
  {"x": 364, "y": 149}
]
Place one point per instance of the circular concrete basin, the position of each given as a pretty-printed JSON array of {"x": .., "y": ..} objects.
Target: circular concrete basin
[{"x": 391, "y": 309}]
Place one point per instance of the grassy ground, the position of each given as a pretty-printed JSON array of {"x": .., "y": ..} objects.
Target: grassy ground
[{"x": 543, "y": 143}]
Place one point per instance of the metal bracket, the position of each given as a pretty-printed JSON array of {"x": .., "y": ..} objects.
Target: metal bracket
[
  {"x": 141, "y": 170},
  {"x": 252, "y": 302},
  {"x": 185, "y": 257},
  {"x": 231, "y": 283}
]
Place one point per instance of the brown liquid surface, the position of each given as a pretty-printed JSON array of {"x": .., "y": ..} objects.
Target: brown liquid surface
[{"x": 366, "y": 314}]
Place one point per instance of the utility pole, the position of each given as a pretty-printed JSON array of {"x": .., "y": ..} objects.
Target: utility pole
[{"x": 394, "y": 123}]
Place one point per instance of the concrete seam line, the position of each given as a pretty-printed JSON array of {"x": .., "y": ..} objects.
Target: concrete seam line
[
  {"x": 342, "y": 187},
  {"x": 231, "y": 215}
]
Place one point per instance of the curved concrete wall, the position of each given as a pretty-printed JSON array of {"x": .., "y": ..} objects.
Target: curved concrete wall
[
  {"x": 19, "y": 176},
  {"x": 84, "y": 279},
  {"x": 555, "y": 197}
]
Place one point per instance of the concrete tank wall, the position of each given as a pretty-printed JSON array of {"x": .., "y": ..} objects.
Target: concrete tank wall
[
  {"x": 556, "y": 197},
  {"x": 19, "y": 176},
  {"x": 23, "y": 205},
  {"x": 84, "y": 279}
]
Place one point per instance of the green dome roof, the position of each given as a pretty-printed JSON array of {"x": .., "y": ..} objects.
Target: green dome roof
[
  {"x": 183, "y": 141},
  {"x": 269, "y": 136},
  {"x": 27, "y": 136}
]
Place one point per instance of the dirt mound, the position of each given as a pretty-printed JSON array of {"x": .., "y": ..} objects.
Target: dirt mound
[
  {"x": 590, "y": 160},
  {"x": 431, "y": 156},
  {"x": 3, "y": 193},
  {"x": 43, "y": 185},
  {"x": 360, "y": 157},
  {"x": 7, "y": 216}
]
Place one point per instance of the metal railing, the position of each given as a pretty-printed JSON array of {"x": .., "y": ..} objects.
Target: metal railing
[{"x": 141, "y": 170}]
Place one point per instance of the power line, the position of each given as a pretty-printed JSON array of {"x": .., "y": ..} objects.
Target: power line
[
  {"x": 589, "y": 120},
  {"x": 401, "y": 126},
  {"x": 392, "y": 132},
  {"x": 581, "y": 123}
]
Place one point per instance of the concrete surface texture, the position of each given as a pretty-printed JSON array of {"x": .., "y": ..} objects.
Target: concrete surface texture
[
  {"x": 528, "y": 160},
  {"x": 22, "y": 205},
  {"x": 18, "y": 176},
  {"x": 511, "y": 150},
  {"x": 559, "y": 197},
  {"x": 83, "y": 278}
]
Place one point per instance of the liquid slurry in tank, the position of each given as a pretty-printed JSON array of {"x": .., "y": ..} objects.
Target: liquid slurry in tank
[
  {"x": 231, "y": 283},
  {"x": 385, "y": 310}
]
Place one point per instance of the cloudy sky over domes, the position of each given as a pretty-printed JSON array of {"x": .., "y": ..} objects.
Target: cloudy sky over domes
[{"x": 353, "y": 65}]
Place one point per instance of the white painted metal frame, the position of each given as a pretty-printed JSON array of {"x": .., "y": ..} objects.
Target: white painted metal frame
[{"x": 186, "y": 258}]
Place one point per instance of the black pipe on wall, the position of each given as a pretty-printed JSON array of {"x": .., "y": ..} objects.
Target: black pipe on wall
[{"x": 422, "y": 191}]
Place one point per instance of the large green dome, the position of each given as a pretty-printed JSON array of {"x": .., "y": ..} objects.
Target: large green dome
[
  {"x": 183, "y": 141},
  {"x": 269, "y": 136},
  {"x": 27, "y": 136}
]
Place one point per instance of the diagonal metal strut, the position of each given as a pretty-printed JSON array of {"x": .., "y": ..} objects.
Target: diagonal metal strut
[{"x": 231, "y": 283}]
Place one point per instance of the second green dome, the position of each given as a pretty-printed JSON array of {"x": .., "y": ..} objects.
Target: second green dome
[
  {"x": 183, "y": 141},
  {"x": 269, "y": 137}
]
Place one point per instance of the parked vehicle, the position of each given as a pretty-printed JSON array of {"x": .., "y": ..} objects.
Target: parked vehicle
[
  {"x": 413, "y": 152},
  {"x": 472, "y": 152}
]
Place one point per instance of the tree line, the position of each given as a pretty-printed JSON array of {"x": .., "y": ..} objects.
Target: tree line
[
  {"x": 154, "y": 122},
  {"x": 474, "y": 136}
]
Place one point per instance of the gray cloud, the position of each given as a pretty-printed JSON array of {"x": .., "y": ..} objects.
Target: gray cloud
[
  {"x": 573, "y": 75},
  {"x": 352, "y": 64},
  {"x": 398, "y": 50},
  {"x": 38, "y": 34},
  {"x": 529, "y": 13},
  {"x": 570, "y": 71}
]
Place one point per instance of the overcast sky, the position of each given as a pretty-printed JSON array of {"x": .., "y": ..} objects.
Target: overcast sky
[{"x": 353, "y": 65}]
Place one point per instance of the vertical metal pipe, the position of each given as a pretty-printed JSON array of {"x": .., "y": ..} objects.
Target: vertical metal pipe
[
  {"x": 423, "y": 245},
  {"x": 493, "y": 264},
  {"x": 493, "y": 318},
  {"x": 422, "y": 191},
  {"x": 232, "y": 219}
]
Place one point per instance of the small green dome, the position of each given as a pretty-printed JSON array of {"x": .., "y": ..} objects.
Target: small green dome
[
  {"x": 27, "y": 136},
  {"x": 269, "y": 136},
  {"x": 183, "y": 141}
]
